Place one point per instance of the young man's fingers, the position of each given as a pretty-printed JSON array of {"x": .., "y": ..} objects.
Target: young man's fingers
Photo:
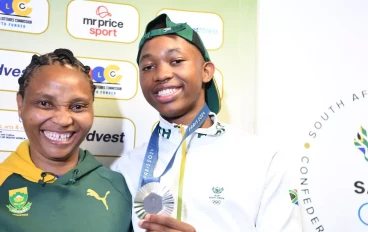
[
  {"x": 169, "y": 222},
  {"x": 153, "y": 227}
]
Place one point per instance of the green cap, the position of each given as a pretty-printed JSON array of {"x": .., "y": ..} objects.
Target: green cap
[{"x": 162, "y": 25}]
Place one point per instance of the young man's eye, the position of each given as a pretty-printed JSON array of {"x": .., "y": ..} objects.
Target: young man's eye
[
  {"x": 147, "y": 68},
  {"x": 176, "y": 62}
]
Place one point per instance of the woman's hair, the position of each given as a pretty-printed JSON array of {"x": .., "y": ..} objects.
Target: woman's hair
[{"x": 61, "y": 56}]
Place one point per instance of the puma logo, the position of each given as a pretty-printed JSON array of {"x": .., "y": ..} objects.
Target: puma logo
[{"x": 92, "y": 193}]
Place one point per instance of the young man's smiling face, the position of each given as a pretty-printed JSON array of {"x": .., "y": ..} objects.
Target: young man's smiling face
[{"x": 172, "y": 77}]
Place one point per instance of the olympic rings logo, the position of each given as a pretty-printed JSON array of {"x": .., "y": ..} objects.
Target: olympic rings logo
[
  {"x": 360, "y": 214},
  {"x": 216, "y": 202}
]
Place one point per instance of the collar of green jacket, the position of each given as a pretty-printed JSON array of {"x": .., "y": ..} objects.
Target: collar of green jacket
[{"x": 19, "y": 162}]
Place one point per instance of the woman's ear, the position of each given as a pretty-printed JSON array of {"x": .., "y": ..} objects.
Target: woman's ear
[{"x": 20, "y": 104}]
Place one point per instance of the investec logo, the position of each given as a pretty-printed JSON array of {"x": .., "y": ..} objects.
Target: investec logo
[
  {"x": 105, "y": 137},
  {"x": 12, "y": 66},
  {"x": 11, "y": 71},
  {"x": 102, "y": 24},
  {"x": 24, "y": 15}
]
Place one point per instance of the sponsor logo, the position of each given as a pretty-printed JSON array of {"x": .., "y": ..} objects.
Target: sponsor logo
[
  {"x": 110, "y": 136},
  {"x": 12, "y": 66},
  {"x": 202, "y": 30},
  {"x": 209, "y": 26},
  {"x": 102, "y": 26},
  {"x": 102, "y": 11},
  {"x": 11, "y": 130},
  {"x": 17, "y": 8},
  {"x": 114, "y": 79},
  {"x": 101, "y": 137},
  {"x": 108, "y": 75},
  {"x": 10, "y": 71},
  {"x": 24, "y": 15},
  {"x": 92, "y": 193},
  {"x": 102, "y": 21}
]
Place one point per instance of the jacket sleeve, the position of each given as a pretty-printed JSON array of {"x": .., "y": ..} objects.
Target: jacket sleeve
[{"x": 277, "y": 212}]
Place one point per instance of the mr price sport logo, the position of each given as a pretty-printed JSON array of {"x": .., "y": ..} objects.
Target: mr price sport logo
[{"x": 103, "y": 26}]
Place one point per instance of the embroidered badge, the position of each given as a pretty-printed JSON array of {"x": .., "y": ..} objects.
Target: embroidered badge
[
  {"x": 18, "y": 199},
  {"x": 217, "y": 198},
  {"x": 92, "y": 193},
  {"x": 220, "y": 128}
]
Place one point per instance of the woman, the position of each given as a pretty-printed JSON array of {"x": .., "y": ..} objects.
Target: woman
[{"x": 49, "y": 183}]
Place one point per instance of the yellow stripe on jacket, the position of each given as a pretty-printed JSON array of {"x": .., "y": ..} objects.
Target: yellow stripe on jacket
[{"x": 19, "y": 162}]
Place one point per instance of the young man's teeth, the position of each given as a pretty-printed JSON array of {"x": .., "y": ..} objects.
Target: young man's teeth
[
  {"x": 166, "y": 92},
  {"x": 56, "y": 136}
]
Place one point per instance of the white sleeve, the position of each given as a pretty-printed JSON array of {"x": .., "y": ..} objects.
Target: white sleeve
[
  {"x": 115, "y": 166},
  {"x": 277, "y": 213}
]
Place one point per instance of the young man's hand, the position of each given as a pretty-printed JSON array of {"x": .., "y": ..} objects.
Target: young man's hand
[{"x": 159, "y": 223}]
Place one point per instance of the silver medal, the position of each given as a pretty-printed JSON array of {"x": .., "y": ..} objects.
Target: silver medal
[{"x": 153, "y": 198}]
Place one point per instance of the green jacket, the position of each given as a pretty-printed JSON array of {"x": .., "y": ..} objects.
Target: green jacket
[{"x": 88, "y": 198}]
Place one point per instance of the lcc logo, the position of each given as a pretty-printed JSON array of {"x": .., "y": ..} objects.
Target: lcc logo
[
  {"x": 109, "y": 74},
  {"x": 30, "y": 16},
  {"x": 18, "y": 7}
]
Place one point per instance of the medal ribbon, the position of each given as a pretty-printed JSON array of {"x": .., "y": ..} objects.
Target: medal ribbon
[
  {"x": 181, "y": 178},
  {"x": 151, "y": 156}
]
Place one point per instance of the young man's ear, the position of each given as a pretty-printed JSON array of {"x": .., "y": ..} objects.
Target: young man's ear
[{"x": 208, "y": 71}]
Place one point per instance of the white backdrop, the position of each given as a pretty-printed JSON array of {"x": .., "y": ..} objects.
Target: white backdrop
[{"x": 312, "y": 97}]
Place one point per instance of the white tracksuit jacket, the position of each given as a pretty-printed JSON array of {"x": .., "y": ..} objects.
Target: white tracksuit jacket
[{"x": 233, "y": 182}]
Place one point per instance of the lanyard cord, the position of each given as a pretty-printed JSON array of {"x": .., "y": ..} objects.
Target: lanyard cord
[{"x": 181, "y": 178}]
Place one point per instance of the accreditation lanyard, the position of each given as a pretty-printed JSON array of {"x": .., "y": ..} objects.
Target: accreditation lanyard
[{"x": 151, "y": 156}]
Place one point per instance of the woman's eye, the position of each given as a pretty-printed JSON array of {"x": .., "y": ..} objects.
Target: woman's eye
[
  {"x": 44, "y": 104},
  {"x": 78, "y": 107}
]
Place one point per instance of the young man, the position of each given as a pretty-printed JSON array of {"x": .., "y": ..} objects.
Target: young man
[{"x": 219, "y": 179}]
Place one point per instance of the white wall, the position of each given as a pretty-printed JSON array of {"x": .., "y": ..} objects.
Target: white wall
[{"x": 311, "y": 55}]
